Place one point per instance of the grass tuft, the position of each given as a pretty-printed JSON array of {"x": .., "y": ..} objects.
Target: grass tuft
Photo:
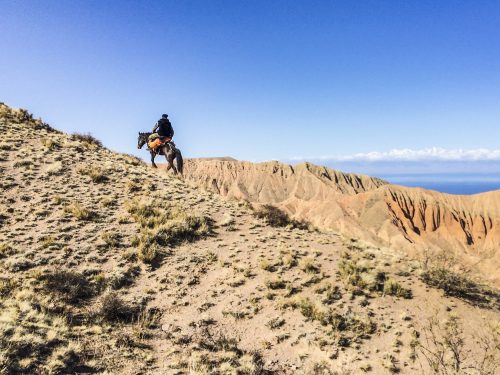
[
  {"x": 69, "y": 286},
  {"x": 87, "y": 139}
]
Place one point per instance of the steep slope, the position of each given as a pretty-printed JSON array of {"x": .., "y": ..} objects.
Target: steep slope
[
  {"x": 411, "y": 219},
  {"x": 108, "y": 266}
]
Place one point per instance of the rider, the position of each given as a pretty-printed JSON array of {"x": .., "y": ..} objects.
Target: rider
[{"x": 163, "y": 128}]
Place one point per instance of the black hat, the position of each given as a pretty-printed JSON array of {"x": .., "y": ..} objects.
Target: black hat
[{"x": 164, "y": 115}]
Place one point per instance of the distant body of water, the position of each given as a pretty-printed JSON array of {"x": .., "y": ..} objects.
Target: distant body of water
[{"x": 464, "y": 184}]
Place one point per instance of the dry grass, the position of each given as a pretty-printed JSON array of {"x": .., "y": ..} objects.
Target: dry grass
[
  {"x": 49, "y": 143},
  {"x": 308, "y": 265},
  {"x": 111, "y": 308},
  {"x": 352, "y": 325},
  {"x": 32, "y": 339},
  {"x": 87, "y": 139},
  {"x": 6, "y": 249},
  {"x": 111, "y": 239},
  {"x": 393, "y": 288},
  {"x": 79, "y": 212},
  {"x": 69, "y": 286},
  {"x": 96, "y": 173},
  {"x": 164, "y": 226}
]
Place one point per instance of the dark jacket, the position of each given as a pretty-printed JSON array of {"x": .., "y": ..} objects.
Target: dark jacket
[{"x": 164, "y": 128}]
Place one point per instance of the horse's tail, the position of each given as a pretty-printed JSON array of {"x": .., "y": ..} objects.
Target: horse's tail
[{"x": 180, "y": 161}]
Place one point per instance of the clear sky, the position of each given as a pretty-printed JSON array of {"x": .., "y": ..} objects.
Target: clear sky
[{"x": 260, "y": 80}]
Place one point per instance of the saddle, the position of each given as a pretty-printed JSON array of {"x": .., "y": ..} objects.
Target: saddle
[{"x": 157, "y": 142}]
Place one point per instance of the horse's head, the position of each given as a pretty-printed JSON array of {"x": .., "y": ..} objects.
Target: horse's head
[{"x": 142, "y": 139}]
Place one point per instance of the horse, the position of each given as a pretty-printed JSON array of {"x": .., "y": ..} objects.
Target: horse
[{"x": 168, "y": 149}]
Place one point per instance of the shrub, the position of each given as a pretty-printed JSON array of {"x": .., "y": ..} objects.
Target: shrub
[
  {"x": 277, "y": 218},
  {"x": 351, "y": 273},
  {"x": 23, "y": 164},
  {"x": 6, "y": 286},
  {"x": 112, "y": 308},
  {"x": 79, "y": 212},
  {"x": 49, "y": 143},
  {"x": 330, "y": 293},
  {"x": 289, "y": 260},
  {"x": 147, "y": 251},
  {"x": 111, "y": 239},
  {"x": 308, "y": 266},
  {"x": 54, "y": 169},
  {"x": 87, "y": 139},
  {"x": 266, "y": 266},
  {"x": 275, "y": 323},
  {"x": 275, "y": 284},
  {"x": 69, "y": 286},
  {"x": 442, "y": 346},
  {"x": 393, "y": 288},
  {"x": 457, "y": 285},
  {"x": 95, "y": 173},
  {"x": 6, "y": 249}
]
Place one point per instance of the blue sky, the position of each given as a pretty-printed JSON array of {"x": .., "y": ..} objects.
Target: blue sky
[{"x": 260, "y": 80}]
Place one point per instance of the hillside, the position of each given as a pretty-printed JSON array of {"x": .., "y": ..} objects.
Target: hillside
[
  {"x": 109, "y": 266},
  {"x": 410, "y": 219}
]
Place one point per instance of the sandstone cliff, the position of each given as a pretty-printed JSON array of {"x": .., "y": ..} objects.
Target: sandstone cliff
[{"x": 409, "y": 219}]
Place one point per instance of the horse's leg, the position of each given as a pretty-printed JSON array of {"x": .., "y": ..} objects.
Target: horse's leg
[
  {"x": 170, "y": 159},
  {"x": 153, "y": 154},
  {"x": 180, "y": 161}
]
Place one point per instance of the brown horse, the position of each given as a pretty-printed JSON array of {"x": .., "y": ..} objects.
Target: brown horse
[{"x": 168, "y": 149}]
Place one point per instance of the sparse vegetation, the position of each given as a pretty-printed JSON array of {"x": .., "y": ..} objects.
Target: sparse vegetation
[
  {"x": 308, "y": 265},
  {"x": 79, "y": 212},
  {"x": 87, "y": 139},
  {"x": 76, "y": 298},
  {"x": 277, "y": 218},
  {"x": 460, "y": 286},
  {"x": 49, "y": 143},
  {"x": 111, "y": 308},
  {"x": 221, "y": 354},
  {"x": 111, "y": 239},
  {"x": 275, "y": 284},
  {"x": 442, "y": 348},
  {"x": 69, "y": 286},
  {"x": 6, "y": 249},
  {"x": 164, "y": 226},
  {"x": 390, "y": 362},
  {"x": 96, "y": 174},
  {"x": 393, "y": 288},
  {"x": 23, "y": 164},
  {"x": 352, "y": 324}
]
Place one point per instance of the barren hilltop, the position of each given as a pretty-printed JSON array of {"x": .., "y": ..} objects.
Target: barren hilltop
[{"x": 109, "y": 266}]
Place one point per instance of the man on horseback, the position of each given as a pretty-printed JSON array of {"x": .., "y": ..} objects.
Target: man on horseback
[
  {"x": 162, "y": 132},
  {"x": 159, "y": 142}
]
